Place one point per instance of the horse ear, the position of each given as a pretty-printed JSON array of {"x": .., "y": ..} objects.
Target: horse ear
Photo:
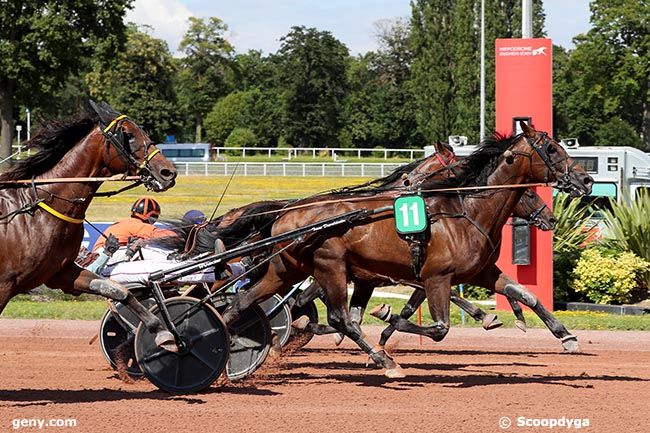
[
  {"x": 104, "y": 116},
  {"x": 528, "y": 130}
]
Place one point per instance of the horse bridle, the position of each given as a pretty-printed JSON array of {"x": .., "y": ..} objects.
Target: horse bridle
[
  {"x": 563, "y": 182},
  {"x": 114, "y": 134},
  {"x": 533, "y": 218}
]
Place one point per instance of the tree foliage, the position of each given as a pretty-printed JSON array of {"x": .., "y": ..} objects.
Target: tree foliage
[
  {"x": 140, "y": 83},
  {"x": 203, "y": 72},
  {"x": 312, "y": 78},
  {"x": 604, "y": 85},
  {"x": 42, "y": 42}
]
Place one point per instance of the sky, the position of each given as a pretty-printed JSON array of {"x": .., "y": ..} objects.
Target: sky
[{"x": 259, "y": 24}]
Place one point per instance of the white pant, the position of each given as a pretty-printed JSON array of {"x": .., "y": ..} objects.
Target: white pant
[{"x": 155, "y": 259}]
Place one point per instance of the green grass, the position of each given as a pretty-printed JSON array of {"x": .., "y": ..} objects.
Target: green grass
[
  {"x": 24, "y": 308},
  {"x": 74, "y": 310},
  {"x": 571, "y": 319},
  {"x": 204, "y": 192}
]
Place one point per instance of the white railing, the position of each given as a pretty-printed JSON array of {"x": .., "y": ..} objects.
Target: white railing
[
  {"x": 286, "y": 169},
  {"x": 332, "y": 152}
]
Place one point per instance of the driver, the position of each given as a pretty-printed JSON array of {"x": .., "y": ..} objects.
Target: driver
[{"x": 140, "y": 225}]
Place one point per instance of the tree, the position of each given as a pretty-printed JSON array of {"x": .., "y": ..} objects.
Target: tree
[
  {"x": 140, "y": 82},
  {"x": 42, "y": 42},
  {"x": 204, "y": 69},
  {"x": 313, "y": 80},
  {"x": 378, "y": 110},
  {"x": 445, "y": 74},
  {"x": 253, "y": 109},
  {"x": 605, "y": 85}
]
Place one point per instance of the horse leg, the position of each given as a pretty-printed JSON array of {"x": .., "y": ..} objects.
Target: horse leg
[
  {"x": 6, "y": 293},
  {"x": 417, "y": 298},
  {"x": 507, "y": 286},
  {"x": 311, "y": 293},
  {"x": 358, "y": 303},
  {"x": 74, "y": 279},
  {"x": 489, "y": 321},
  {"x": 330, "y": 272},
  {"x": 520, "y": 323},
  {"x": 439, "y": 313}
]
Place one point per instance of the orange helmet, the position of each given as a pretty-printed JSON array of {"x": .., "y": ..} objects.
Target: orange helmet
[{"x": 146, "y": 209}]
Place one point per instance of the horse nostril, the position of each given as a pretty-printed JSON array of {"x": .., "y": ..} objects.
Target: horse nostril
[
  {"x": 588, "y": 180},
  {"x": 167, "y": 174}
]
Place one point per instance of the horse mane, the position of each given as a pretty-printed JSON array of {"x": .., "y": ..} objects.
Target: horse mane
[
  {"x": 251, "y": 222},
  {"x": 479, "y": 165},
  {"x": 53, "y": 140},
  {"x": 381, "y": 183},
  {"x": 240, "y": 229}
]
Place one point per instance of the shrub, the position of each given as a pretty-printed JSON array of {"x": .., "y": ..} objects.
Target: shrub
[
  {"x": 241, "y": 137},
  {"x": 569, "y": 237},
  {"x": 628, "y": 229},
  {"x": 606, "y": 279}
]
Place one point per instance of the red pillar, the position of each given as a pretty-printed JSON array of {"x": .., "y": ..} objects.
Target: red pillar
[{"x": 524, "y": 89}]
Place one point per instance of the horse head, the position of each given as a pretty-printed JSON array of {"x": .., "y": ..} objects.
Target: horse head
[
  {"x": 129, "y": 149},
  {"x": 532, "y": 208},
  {"x": 551, "y": 163}
]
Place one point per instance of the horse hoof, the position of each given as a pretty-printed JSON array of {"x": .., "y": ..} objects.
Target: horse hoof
[
  {"x": 521, "y": 325},
  {"x": 165, "y": 340},
  {"x": 570, "y": 344},
  {"x": 491, "y": 321},
  {"x": 300, "y": 323},
  {"x": 338, "y": 338},
  {"x": 276, "y": 347},
  {"x": 395, "y": 373},
  {"x": 381, "y": 312}
]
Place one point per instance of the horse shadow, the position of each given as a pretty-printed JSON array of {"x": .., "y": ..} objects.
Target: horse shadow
[{"x": 41, "y": 397}]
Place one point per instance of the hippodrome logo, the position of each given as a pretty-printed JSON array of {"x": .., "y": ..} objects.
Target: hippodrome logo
[{"x": 522, "y": 51}]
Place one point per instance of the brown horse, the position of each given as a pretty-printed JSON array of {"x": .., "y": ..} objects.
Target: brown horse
[
  {"x": 460, "y": 239},
  {"x": 531, "y": 208},
  {"x": 42, "y": 223},
  {"x": 442, "y": 164}
]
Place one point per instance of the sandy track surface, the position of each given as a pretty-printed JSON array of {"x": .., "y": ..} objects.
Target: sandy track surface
[{"x": 467, "y": 383}]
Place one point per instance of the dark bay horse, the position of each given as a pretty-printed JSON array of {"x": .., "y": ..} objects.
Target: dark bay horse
[
  {"x": 460, "y": 239},
  {"x": 41, "y": 224},
  {"x": 531, "y": 207}
]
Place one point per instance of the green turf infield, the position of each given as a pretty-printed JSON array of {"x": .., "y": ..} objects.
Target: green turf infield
[
  {"x": 204, "y": 192},
  {"x": 23, "y": 307}
]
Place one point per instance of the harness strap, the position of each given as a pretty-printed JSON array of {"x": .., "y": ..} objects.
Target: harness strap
[
  {"x": 58, "y": 214},
  {"x": 113, "y": 122},
  {"x": 148, "y": 158}
]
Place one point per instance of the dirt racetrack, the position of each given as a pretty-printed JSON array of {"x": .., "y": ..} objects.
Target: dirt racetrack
[{"x": 467, "y": 383}]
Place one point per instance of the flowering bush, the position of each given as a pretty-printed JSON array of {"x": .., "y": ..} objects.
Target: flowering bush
[{"x": 607, "y": 278}]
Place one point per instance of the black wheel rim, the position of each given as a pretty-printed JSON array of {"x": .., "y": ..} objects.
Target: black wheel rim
[
  {"x": 200, "y": 363},
  {"x": 281, "y": 321},
  {"x": 250, "y": 339}
]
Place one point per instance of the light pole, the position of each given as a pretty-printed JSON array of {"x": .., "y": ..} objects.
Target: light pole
[
  {"x": 29, "y": 135},
  {"x": 482, "y": 99},
  {"x": 18, "y": 129}
]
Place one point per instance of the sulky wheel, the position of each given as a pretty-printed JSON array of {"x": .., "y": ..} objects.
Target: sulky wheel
[
  {"x": 115, "y": 328},
  {"x": 250, "y": 339},
  {"x": 310, "y": 310},
  {"x": 281, "y": 320},
  {"x": 203, "y": 348}
]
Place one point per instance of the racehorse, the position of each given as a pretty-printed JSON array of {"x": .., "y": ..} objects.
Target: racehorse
[
  {"x": 41, "y": 225},
  {"x": 531, "y": 207},
  {"x": 460, "y": 238}
]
